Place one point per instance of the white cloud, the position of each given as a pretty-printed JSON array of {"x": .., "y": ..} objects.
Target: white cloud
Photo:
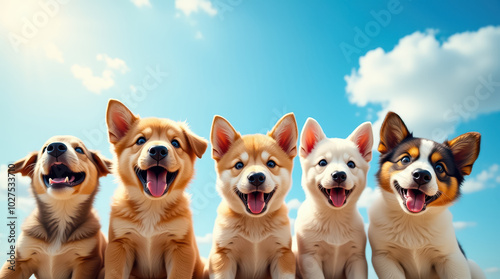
[
  {"x": 206, "y": 239},
  {"x": 485, "y": 179},
  {"x": 293, "y": 204},
  {"x": 190, "y": 6},
  {"x": 141, "y": 3},
  {"x": 433, "y": 85},
  {"x": 492, "y": 270},
  {"x": 460, "y": 225},
  {"x": 113, "y": 63},
  {"x": 368, "y": 196},
  {"x": 198, "y": 35},
  {"x": 53, "y": 52},
  {"x": 93, "y": 83}
]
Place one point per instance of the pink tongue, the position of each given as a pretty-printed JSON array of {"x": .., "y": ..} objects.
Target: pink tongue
[
  {"x": 256, "y": 202},
  {"x": 337, "y": 196},
  {"x": 157, "y": 183},
  {"x": 415, "y": 200}
]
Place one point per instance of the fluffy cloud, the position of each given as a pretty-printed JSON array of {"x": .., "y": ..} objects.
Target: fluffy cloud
[
  {"x": 141, "y": 3},
  {"x": 93, "y": 83},
  {"x": 486, "y": 178},
  {"x": 98, "y": 83},
  {"x": 53, "y": 52},
  {"x": 492, "y": 270},
  {"x": 368, "y": 196},
  {"x": 113, "y": 63},
  {"x": 190, "y": 6},
  {"x": 206, "y": 239},
  {"x": 293, "y": 204},
  {"x": 463, "y": 225},
  {"x": 433, "y": 85}
]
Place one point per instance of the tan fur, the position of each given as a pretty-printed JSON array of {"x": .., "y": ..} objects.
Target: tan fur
[
  {"x": 52, "y": 244},
  {"x": 246, "y": 245},
  {"x": 151, "y": 237}
]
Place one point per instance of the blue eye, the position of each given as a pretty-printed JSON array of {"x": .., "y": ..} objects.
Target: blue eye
[
  {"x": 271, "y": 164},
  {"x": 405, "y": 160},
  {"x": 351, "y": 164},
  {"x": 141, "y": 141},
  {"x": 176, "y": 143},
  {"x": 322, "y": 163},
  {"x": 439, "y": 168},
  {"x": 238, "y": 166},
  {"x": 79, "y": 150}
]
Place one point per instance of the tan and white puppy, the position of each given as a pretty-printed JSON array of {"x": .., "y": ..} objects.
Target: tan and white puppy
[
  {"x": 62, "y": 237},
  {"x": 151, "y": 230},
  {"x": 329, "y": 230},
  {"x": 251, "y": 238},
  {"x": 411, "y": 231}
]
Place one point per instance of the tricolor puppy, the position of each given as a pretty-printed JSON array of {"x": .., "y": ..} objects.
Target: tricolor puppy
[
  {"x": 150, "y": 230},
  {"x": 62, "y": 237},
  {"x": 411, "y": 231},
  {"x": 252, "y": 231},
  {"x": 330, "y": 233}
]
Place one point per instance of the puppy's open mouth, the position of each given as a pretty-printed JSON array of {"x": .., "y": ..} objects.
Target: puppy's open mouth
[
  {"x": 415, "y": 200},
  {"x": 156, "y": 180},
  {"x": 336, "y": 196},
  {"x": 255, "y": 202},
  {"x": 61, "y": 176}
]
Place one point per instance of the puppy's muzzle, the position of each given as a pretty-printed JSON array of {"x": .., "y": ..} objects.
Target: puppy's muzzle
[
  {"x": 256, "y": 178},
  {"x": 56, "y": 149},
  {"x": 158, "y": 152}
]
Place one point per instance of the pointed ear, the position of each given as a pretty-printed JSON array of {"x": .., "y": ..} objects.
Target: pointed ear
[
  {"x": 26, "y": 165},
  {"x": 465, "y": 149},
  {"x": 363, "y": 138},
  {"x": 393, "y": 131},
  {"x": 197, "y": 143},
  {"x": 102, "y": 163},
  {"x": 221, "y": 136},
  {"x": 285, "y": 133},
  {"x": 311, "y": 134},
  {"x": 119, "y": 119}
]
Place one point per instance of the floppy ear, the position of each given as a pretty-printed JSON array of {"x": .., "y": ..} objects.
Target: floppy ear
[
  {"x": 393, "y": 131},
  {"x": 363, "y": 138},
  {"x": 119, "y": 119},
  {"x": 221, "y": 136},
  {"x": 285, "y": 133},
  {"x": 310, "y": 136},
  {"x": 197, "y": 143},
  {"x": 465, "y": 149},
  {"x": 26, "y": 165},
  {"x": 102, "y": 164}
]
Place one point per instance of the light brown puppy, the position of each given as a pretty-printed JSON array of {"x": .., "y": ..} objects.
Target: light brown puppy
[
  {"x": 151, "y": 231},
  {"x": 62, "y": 237},
  {"x": 252, "y": 230}
]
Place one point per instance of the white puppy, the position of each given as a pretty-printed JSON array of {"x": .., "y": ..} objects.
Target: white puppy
[{"x": 330, "y": 236}]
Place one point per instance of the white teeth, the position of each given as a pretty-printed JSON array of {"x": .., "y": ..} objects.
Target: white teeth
[
  {"x": 66, "y": 180},
  {"x": 50, "y": 181}
]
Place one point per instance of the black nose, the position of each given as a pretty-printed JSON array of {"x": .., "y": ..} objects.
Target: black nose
[
  {"x": 339, "y": 176},
  {"x": 256, "y": 178},
  {"x": 421, "y": 176},
  {"x": 56, "y": 149},
  {"x": 158, "y": 152}
]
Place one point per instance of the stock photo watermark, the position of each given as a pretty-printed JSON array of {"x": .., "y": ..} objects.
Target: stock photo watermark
[
  {"x": 31, "y": 26},
  {"x": 224, "y": 6},
  {"x": 363, "y": 36},
  {"x": 152, "y": 80}
]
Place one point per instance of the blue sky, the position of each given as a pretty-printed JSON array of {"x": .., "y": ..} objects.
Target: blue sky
[{"x": 340, "y": 62}]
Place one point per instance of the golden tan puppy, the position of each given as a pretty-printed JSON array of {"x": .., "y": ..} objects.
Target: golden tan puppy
[
  {"x": 252, "y": 231},
  {"x": 62, "y": 237},
  {"x": 151, "y": 231}
]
